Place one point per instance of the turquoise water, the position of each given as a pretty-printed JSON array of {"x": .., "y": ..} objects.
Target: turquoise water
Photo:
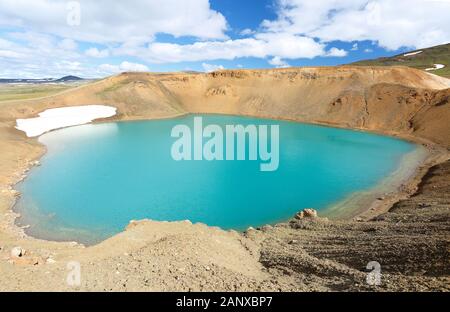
[{"x": 94, "y": 179}]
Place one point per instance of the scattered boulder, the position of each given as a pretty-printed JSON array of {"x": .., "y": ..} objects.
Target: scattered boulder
[
  {"x": 306, "y": 213},
  {"x": 251, "y": 232},
  {"x": 266, "y": 228},
  {"x": 17, "y": 252}
]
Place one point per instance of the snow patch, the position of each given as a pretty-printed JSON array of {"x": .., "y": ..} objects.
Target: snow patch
[
  {"x": 412, "y": 53},
  {"x": 62, "y": 117},
  {"x": 436, "y": 67}
]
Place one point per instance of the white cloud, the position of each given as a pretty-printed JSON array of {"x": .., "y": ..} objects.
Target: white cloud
[
  {"x": 69, "y": 66},
  {"x": 10, "y": 54},
  {"x": 123, "y": 67},
  {"x": 127, "y": 66},
  {"x": 290, "y": 46},
  {"x": 262, "y": 45},
  {"x": 68, "y": 44},
  {"x": 43, "y": 44},
  {"x": 278, "y": 62},
  {"x": 211, "y": 67},
  {"x": 94, "y": 52},
  {"x": 335, "y": 52},
  {"x": 102, "y": 21},
  {"x": 132, "y": 34},
  {"x": 393, "y": 24},
  {"x": 34, "y": 55},
  {"x": 247, "y": 32}
]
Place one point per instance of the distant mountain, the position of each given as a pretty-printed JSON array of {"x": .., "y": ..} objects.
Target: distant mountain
[
  {"x": 435, "y": 60},
  {"x": 68, "y": 78},
  {"x": 43, "y": 80}
]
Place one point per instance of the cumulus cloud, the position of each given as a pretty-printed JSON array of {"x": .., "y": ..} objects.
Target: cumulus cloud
[
  {"x": 262, "y": 45},
  {"x": 134, "y": 32},
  {"x": 335, "y": 52},
  {"x": 123, "y": 67},
  {"x": 94, "y": 52},
  {"x": 247, "y": 32},
  {"x": 393, "y": 24},
  {"x": 278, "y": 62},
  {"x": 211, "y": 67},
  {"x": 68, "y": 44},
  {"x": 102, "y": 21},
  {"x": 10, "y": 54},
  {"x": 37, "y": 39},
  {"x": 34, "y": 55}
]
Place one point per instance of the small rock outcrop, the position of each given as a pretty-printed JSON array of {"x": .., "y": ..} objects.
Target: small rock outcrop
[
  {"x": 222, "y": 90},
  {"x": 306, "y": 213}
]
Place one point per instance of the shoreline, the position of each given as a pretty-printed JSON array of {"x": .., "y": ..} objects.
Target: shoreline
[
  {"x": 399, "y": 185},
  {"x": 363, "y": 205}
]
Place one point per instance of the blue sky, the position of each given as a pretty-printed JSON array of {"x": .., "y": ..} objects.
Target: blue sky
[{"x": 51, "y": 38}]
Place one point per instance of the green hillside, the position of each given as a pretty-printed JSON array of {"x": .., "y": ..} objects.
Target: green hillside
[{"x": 425, "y": 59}]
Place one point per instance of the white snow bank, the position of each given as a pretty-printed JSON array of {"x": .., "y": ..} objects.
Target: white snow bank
[
  {"x": 436, "y": 67},
  {"x": 412, "y": 53},
  {"x": 55, "y": 118}
]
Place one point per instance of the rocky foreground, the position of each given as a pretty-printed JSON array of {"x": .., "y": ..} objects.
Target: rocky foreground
[{"x": 411, "y": 242}]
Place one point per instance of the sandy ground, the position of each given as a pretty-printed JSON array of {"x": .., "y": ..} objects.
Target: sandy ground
[{"x": 410, "y": 241}]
